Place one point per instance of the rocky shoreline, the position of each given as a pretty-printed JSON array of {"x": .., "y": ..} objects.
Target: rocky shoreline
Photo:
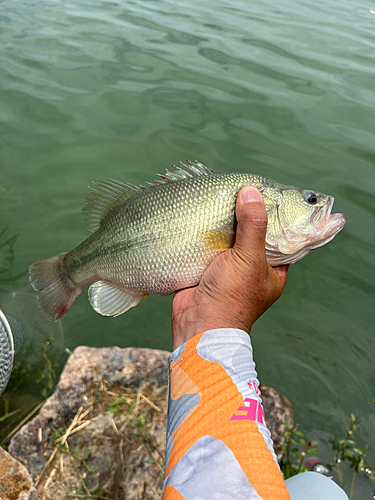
[{"x": 102, "y": 432}]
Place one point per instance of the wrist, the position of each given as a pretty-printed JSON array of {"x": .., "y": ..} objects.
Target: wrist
[{"x": 182, "y": 333}]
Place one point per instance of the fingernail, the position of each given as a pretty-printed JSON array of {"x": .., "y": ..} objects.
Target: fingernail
[{"x": 250, "y": 194}]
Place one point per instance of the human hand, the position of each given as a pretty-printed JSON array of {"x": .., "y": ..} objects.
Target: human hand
[{"x": 238, "y": 286}]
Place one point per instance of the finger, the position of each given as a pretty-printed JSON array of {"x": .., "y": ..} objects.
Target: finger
[
  {"x": 281, "y": 271},
  {"x": 279, "y": 276},
  {"x": 251, "y": 225}
]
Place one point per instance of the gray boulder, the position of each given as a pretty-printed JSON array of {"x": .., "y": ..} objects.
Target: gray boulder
[{"x": 102, "y": 432}]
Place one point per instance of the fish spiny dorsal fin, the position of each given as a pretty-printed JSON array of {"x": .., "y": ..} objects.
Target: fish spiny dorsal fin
[
  {"x": 103, "y": 197},
  {"x": 106, "y": 195},
  {"x": 197, "y": 168},
  {"x": 192, "y": 169}
]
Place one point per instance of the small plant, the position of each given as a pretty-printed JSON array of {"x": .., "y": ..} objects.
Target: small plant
[
  {"x": 346, "y": 450},
  {"x": 116, "y": 406},
  {"x": 295, "y": 452},
  {"x": 138, "y": 421},
  {"x": 80, "y": 454},
  {"x": 7, "y": 413},
  {"x": 296, "y": 449},
  {"x": 48, "y": 373},
  {"x": 7, "y": 256},
  {"x": 93, "y": 492}
]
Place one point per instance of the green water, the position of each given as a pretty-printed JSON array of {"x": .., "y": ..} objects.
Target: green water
[{"x": 95, "y": 89}]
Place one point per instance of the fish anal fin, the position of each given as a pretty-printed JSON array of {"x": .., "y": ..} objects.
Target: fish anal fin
[
  {"x": 109, "y": 299},
  {"x": 218, "y": 240},
  {"x": 103, "y": 197}
]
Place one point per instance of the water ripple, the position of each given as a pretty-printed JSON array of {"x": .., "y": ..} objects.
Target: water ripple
[{"x": 101, "y": 88}]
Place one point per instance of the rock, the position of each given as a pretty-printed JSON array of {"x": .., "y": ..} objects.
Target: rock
[
  {"x": 111, "y": 451},
  {"x": 277, "y": 411},
  {"x": 15, "y": 481},
  {"x": 107, "y": 420}
]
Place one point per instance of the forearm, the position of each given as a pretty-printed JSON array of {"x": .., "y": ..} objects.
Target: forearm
[{"x": 217, "y": 440}]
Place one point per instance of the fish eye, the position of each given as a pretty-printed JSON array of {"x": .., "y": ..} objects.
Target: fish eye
[{"x": 310, "y": 197}]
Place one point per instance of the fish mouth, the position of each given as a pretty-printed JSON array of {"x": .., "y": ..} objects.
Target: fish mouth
[
  {"x": 327, "y": 225},
  {"x": 321, "y": 215}
]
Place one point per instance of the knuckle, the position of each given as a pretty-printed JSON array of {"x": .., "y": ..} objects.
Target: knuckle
[
  {"x": 259, "y": 222},
  {"x": 256, "y": 218}
]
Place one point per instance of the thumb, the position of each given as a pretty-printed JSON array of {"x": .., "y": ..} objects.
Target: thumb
[{"x": 251, "y": 225}]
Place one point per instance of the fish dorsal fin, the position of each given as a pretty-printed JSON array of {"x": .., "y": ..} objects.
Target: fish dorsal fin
[
  {"x": 109, "y": 299},
  {"x": 181, "y": 172},
  {"x": 103, "y": 197},
  {"x": 195, "y": 168}
]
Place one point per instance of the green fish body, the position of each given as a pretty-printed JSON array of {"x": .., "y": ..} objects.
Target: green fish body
[{"x": 160, "y": 238}]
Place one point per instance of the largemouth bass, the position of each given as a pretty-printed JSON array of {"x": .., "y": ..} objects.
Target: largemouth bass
[{"x": 160, "y": 238}]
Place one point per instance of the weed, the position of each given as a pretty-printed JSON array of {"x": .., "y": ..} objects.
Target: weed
[
  {"x": 132, "y": 438},
  {"x": 295, "y": 452},
  {"x": 296, "y": 449},
  {"x": 347, "y": 451},
  {"x": 139, "y": 425},
  {"x": 7, "y": 413},
  {"x": 7, "y": 256},
  {"x": 116, "y": 406},
  {"x": 48, "y": 373}
]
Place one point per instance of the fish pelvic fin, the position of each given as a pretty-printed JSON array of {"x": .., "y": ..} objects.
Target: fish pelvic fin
[
  {"x": 56, "y": 292},
  {"x": 109, "y": 299},
  {"x": 103, "y": 197}
]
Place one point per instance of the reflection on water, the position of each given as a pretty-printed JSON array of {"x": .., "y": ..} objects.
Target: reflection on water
[{"x": 123, "y": 89}]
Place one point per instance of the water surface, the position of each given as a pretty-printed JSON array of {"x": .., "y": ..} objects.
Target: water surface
[{"x": 94, "y": 89}]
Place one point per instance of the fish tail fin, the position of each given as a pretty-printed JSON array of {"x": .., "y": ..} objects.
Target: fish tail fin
[{"x": 57, "y": 292}]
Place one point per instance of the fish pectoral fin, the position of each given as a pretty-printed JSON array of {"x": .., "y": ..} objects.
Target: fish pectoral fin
[
  {"x": 218, "y": 240},
  {"x": 109, "y": 299},
  {"x": 102, "y": 198}
]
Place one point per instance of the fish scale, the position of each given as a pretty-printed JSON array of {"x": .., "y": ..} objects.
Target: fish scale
[
  {"x": 161, "y": 238},
  {"x": 165, "y": 233}
]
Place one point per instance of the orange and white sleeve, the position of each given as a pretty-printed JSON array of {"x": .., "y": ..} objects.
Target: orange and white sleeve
[{"x": 218, "y": 445}]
